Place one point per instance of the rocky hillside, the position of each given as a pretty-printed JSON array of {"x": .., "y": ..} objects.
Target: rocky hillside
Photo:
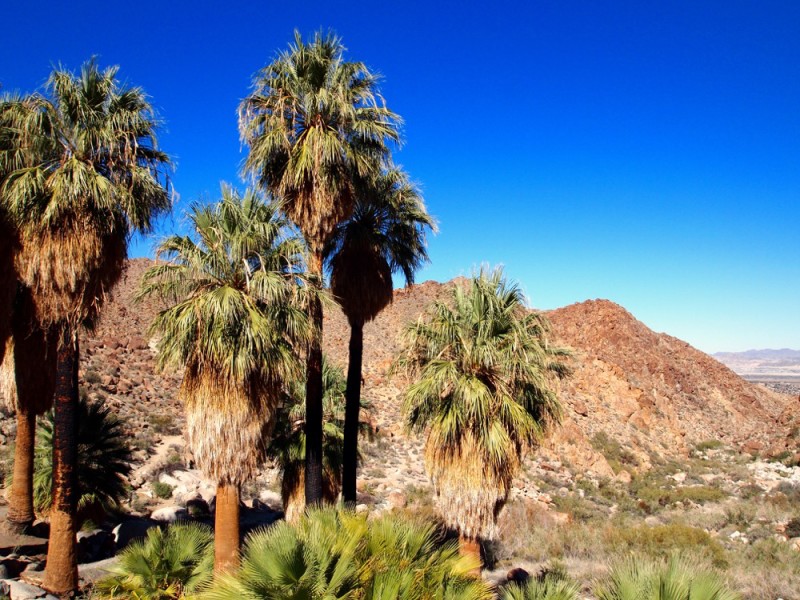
[{"x": 653, "y": 394}]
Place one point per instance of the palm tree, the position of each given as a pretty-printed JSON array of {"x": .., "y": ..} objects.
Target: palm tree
[
  {"x": 314, "y": 124},
  {"x": 27, "y": 379},
  {"x": 230, "y": 326},
  {"x": 90, "y": 175},
  {"x": 384, "y": 235},
  {"x": 479, "y": 367}
]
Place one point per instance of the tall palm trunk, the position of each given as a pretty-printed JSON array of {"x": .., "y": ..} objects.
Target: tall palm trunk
[
  {"x": 20, "y": 506},
  {"x": 61, "y": 573},
  {"x": 226, "y": 528},
  {"x": 314, "y": 390},
  {"x": 468, "y": 546},
  {"x": 351, "y": 413}
]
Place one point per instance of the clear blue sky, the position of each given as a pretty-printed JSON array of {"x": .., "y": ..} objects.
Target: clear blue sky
[{"x": 644, "y": 152}]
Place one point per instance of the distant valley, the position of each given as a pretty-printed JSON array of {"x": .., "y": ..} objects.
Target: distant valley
[{"x": 780, "y": 369}]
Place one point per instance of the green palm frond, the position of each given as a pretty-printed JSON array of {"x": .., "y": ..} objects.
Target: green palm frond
[
  {"x": 166, "y": 565},
  {"x": 333, "y": 554},
  {"x": 384, "y": 235},
  {"x": 481, "y": 373},
  {"x": 80, "y": 171},
  {"x": 313, "y": 123},
  {"x": 104, "y": 458}
]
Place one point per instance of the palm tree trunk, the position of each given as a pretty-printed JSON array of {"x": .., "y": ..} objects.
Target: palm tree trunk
[
  {"x": 351, "y": 414},
  {"x": 314, "y": 391},
  {"x": 226, "y": 528},
  {"x": 468, "y": 546},
  {"x": 20, "y": 506},
  {"x": 61, "y": 573}
]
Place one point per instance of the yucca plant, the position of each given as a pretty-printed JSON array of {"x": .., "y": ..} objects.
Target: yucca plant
[
  {"x": 676, "y": 579},
  {"x": 104, "y": 461},
  {"x": 167, "y": 564},
  {"x": 338, "y": 554}
]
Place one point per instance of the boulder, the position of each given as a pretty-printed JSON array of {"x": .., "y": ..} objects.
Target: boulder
[{"x": 168, "y": 514}]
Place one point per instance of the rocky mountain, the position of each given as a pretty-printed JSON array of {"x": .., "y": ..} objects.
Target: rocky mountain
[{"x": 653, "y": 394}]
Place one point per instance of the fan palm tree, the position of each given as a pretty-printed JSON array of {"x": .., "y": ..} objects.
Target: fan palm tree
[
  {"x": 384, "y": 235},
  {"x": 27, "y": 379},
  {"x": 83, "y": 173},
  {"x": 315, "y": 124},
  {"x": 480, "y": 389},
  {"x": 231, "y": 324}
]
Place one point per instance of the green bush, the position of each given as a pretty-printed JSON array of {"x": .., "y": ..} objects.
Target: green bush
[
  {"x": 676, "y": 579},
  {"x": 662, "y": 540},
  {"x": 167, "y": 564},
  {"x": 162, "y": 490},
  {"x": 618, "y": 458}
]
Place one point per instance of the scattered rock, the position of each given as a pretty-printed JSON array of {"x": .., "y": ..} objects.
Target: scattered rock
[
  {"x": 168, "y": 514},
  {"x": 131, "y": 530}
]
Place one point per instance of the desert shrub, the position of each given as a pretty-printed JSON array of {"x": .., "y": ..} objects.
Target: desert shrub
[
  {"x": 167, "y": 564},
  {"x": 91, "y": 376},
  {"x": 161, "y": 423},
  {"x": 661, "y": 540},
  {"x": 708, "y": 445},
  {"x": 664, "y": 496},
  {"x": 678, "y": 579},
  {"x": 104, "y": 460},
  {"x": 336, "y": 554},
  {"x": 618, "y": 457},
  {"x": 162, "y": 490}
]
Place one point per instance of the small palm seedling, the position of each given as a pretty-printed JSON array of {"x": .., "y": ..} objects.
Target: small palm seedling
[
  {"x": 104, "y": 461},
  {"x": 167, "y": 564},
  {"x": 676, "y": 579}
]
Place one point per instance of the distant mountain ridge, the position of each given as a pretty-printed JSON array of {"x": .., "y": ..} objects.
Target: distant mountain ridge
[{"x": 782, "y": 365}]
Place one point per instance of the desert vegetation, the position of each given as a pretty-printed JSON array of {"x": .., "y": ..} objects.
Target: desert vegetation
[{"x": 417, "y": 499}]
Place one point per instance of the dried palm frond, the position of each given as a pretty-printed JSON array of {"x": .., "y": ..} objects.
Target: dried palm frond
[
  {"x": 28, "y": 370},
  {"x": 226, "y": 424}
]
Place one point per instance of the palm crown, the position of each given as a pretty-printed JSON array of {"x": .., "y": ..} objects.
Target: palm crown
[
  {"x": 314, "y": 122},
  {"x": 480, "y": 388},
  {"x": 234, "y": 315},
  {"x": 385, "y": 234},
  {"x": 83, "y": 171}
]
